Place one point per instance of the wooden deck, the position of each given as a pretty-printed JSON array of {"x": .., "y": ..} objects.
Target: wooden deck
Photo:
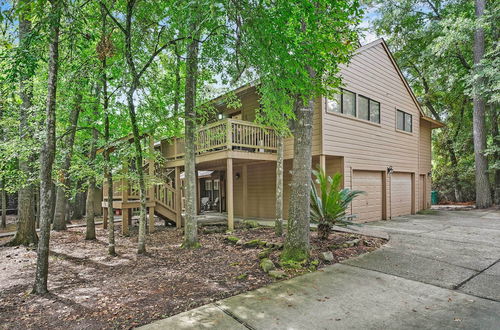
[{"x": 227, "y": 138}]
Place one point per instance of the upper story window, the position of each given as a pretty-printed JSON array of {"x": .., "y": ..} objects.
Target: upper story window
[
  {"x": 365, "y": 108},
  {"x": 404, "y": 121},
  {"x": 368, "y": 109}
]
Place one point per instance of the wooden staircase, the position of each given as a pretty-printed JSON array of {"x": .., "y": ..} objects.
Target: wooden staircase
[{"x": 164, "y": 199}]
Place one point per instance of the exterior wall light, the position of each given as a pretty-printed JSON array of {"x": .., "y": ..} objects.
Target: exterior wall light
[{"x": 390, "y": 170}]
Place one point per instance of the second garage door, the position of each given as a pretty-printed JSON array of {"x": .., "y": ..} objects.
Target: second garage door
[
  {"x": 401, "y": 188},
  {"x": 368, "y": 207}
]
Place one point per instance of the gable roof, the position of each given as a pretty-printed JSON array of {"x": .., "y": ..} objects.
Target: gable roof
[{"x": 381, "y": 41}]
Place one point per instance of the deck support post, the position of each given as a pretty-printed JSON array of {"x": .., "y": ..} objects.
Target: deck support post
[
  {"x": 198, "y": 196},
  {"x": 244, "y": 174},
  {"x": 229, "y": 194},
  {"x": 105, "y": 216},
  {"x": 178, "y": 197},
  {"x": 322, "y": 162},
  {"x": 151, "y": 227}
]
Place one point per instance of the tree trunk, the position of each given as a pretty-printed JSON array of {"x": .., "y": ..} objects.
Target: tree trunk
[
  {"x": 457, "y": 188},
  {"x": 64, "y": 184},
  {"x": 496, "y": 154},
  {"x": 47, "y": 154},
  {"x": 26, "y": 218},
  {"x": 483, "y": 193},
  {"x": 4, "y": 203},
  {"x": 90, "y": 202},
  {"x": 191, "y": 223},
  {"x": 278, "y": 225},
  {"x": 107, "y": 159},
  {"x": 297, "y": 238}
]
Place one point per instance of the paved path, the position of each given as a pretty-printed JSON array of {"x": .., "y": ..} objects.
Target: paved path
[{"x": 438, "y": 271}]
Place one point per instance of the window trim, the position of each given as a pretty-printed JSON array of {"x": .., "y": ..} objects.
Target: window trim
[{"x": 404, "y": 121}]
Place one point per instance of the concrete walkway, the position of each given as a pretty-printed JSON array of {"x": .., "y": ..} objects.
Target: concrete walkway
[{"x": 438, "y": 271}]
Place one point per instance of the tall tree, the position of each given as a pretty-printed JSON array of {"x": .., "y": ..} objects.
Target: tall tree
[
  {"x": 136, "y": 70},
  {"x": 105, "y": 49},
  {"x": 60, "y": 212},
  {"x": 296, "y": 48},
  {"x": 48, "y": 151},
  {"x": 191, "y": 223},
  {"x": 483, "y": 192},
  {"x": 90, "y": 233},
  {"x": 26, "y": 220}
]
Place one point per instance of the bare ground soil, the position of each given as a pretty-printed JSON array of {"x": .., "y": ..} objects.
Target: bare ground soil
[{"x": 91, "y": 290}]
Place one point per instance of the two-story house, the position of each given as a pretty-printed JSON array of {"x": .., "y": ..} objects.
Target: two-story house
[{"x": 374, "y": 133}]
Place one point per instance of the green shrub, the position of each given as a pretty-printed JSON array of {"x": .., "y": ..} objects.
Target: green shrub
[{"x": 329, "y": 205}]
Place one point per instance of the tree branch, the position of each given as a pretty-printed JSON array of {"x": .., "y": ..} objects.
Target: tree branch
[{"x": 113, "y": 18}]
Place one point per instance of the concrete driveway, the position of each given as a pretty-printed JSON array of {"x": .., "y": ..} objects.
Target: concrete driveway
[{"x": 437, "y": 271}]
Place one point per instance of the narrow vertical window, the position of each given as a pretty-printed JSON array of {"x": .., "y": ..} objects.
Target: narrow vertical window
[
  {"x": 334, "y": 105},
  {"x": 363, "y": 108},
  {"x": 348, "y": 103},
  {"x": 375, "y": 111}
]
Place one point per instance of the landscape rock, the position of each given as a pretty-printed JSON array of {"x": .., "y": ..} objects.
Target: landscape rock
[
  {"x": 277, "y": 274},
  {"x": 352, "y": 243},
  {"x": 327, "y": 256},
  {"x": 232, "y": 239},
  {"x": 254, "y": 243},
  {"x": 265, "y": 253},
  {"x": 250, "y": 224},
  {"x": 267, "y": 265},
  {"x": 240, "y": 242}
]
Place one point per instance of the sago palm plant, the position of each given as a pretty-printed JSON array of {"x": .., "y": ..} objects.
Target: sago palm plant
[{"x": 329, "y": 204}]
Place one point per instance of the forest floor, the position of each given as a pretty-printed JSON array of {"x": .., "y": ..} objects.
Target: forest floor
[{"x": 91, "y": 290}]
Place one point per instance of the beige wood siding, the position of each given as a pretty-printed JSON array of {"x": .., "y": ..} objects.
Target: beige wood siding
[
  {"x": 261, "y": 191},
  {"x": 368, "y": 207},
  {"x": 370, "y": 146},
  {"x": 425, "y": 164},
  {"x": 401, "y": 194}
]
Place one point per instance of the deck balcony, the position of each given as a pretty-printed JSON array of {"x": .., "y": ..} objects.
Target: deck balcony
[{"x": 227, "y": 138}]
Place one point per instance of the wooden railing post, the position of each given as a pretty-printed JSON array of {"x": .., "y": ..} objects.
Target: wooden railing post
[{"x": 229, "y": 135}]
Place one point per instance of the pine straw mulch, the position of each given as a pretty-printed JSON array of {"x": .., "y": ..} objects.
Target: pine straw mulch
[{"x": 90, "y": 290}]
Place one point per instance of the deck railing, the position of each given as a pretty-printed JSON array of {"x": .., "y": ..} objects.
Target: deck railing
[{"x": 228, "y": 134}]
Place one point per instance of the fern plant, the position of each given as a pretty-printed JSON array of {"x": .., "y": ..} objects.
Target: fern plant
[{"x": 329, "y": 204}]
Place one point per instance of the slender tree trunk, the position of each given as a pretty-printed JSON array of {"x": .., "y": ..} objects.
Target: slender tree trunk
[
  {"x": 496, "y": 141},
  {"x": 456, "y": 180},
  {"x": 107, "y": 154},
  {"x": 483, "y": 193},
  {"x": 64, "y": 183},
  {"x": 297, "y": 238},
  {"x": 26, "y": 218},
  {"x": 90, "y": 202},
  {"x": 4, "y": 204},
  {"x": 141, "y": 246},
  {"x": 47, "y": 154},
  {"x": 278, "y": 225},
  {"x": 191, "y": 223}
]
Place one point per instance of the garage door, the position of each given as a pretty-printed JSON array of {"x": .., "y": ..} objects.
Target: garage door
[
  {"x": 400, "y": 194},
  {"x": 367, "y": 207}
]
